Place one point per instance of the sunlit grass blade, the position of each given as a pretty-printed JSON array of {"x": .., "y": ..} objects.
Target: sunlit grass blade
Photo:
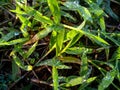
[
  {"x": 100, "y": 41},
  {"x": 102, "y": 24},
  {"x": 71, "y": 43},
  {"x": 55, "y": 9},
  {"x": 84, "y": 64},
  {"x": 76, "y": 80},
  {"x": 82, "y": 25},
  {"x": 38, "y": 16},
  {"x": 40, "y": 35},
  {"x": 13, "y": 42},
  {"x": 31, "y": 50},
  {"x": 83, "y": 11},
  {"x": 53, "y": 62},
  {"x": 93, "y": 37},
  {"x": 95, "y": 9},
  {"x": 53, "y": 39},
  {"x": 78, "y": 50},
  {"x": 116, "y": 54},
  {"x": 20, "y": 63},
  {"x": 25, "y": 23},
  {"x": 107, "y": 80},
  {"x": 71, "y": 34},
  {"x": 59, "y": 39},
  {"x": 88, "y": 82},
  {"x": 55, "y": 78},
  {"x": 33, "y": 13}
]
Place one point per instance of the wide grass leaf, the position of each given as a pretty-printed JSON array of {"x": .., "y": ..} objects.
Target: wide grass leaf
[
  {"x": 107, "y": 80},
  {"x": 78, "y": 50},
  {"x": 102, "y": 24},
  {"x": 13, "y": 42},
  {"x": 97, "y": 39},
  {"x": 53, "y": 39},
  {"x": 29, "y": 11},
  {"x": 85, "y": 84},
  {"x": 55, "y": 78},
  {"x": 84, "y": 64},
  {"x": 83, "y": 11},
  {"x": 59, "y": 39},
  {"x": 53, "y": 62},
  {"x": 20, "y": 63},
  {"x": 38, "y": 16},
  {"x": 25, "y": 23},
  {"x": 9, "y": 36},
  {"x": 55, "y": 9},
  {"x": 76, "y": 80},
  {"x": 100, "y": 41}
]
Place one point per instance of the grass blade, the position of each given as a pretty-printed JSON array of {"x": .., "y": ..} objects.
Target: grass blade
[
  {"x": 25, "y": 23},
  {"x": 59, "y": 39},
  {"x": 102, "y": 24},
  {"x": 69, "y": 59},
  {"x": 13, "y": 42},
  {"x": 31, "y": 50},
  {"x": 40, "y": 35},
  {"x": 84, "y": 64},
  {"x": 83, "y": 11},
  {"x": 55, "y": 9},
  {"x": 8, "y": 36},
  {"x": 55, "y": 78},
  {"x": 107, "y": 80},
  {"x": 20, "y": 63},
  {"x": 93, "y": 37},
  {"x": 78, "y": 50},
  {"x": 15, "y": 70}
]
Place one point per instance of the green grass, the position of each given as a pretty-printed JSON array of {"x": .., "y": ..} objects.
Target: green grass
[{"x": 80, "y": 52}]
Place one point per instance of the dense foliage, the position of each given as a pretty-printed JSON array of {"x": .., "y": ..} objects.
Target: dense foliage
[{"x": 59, "y": 44}]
